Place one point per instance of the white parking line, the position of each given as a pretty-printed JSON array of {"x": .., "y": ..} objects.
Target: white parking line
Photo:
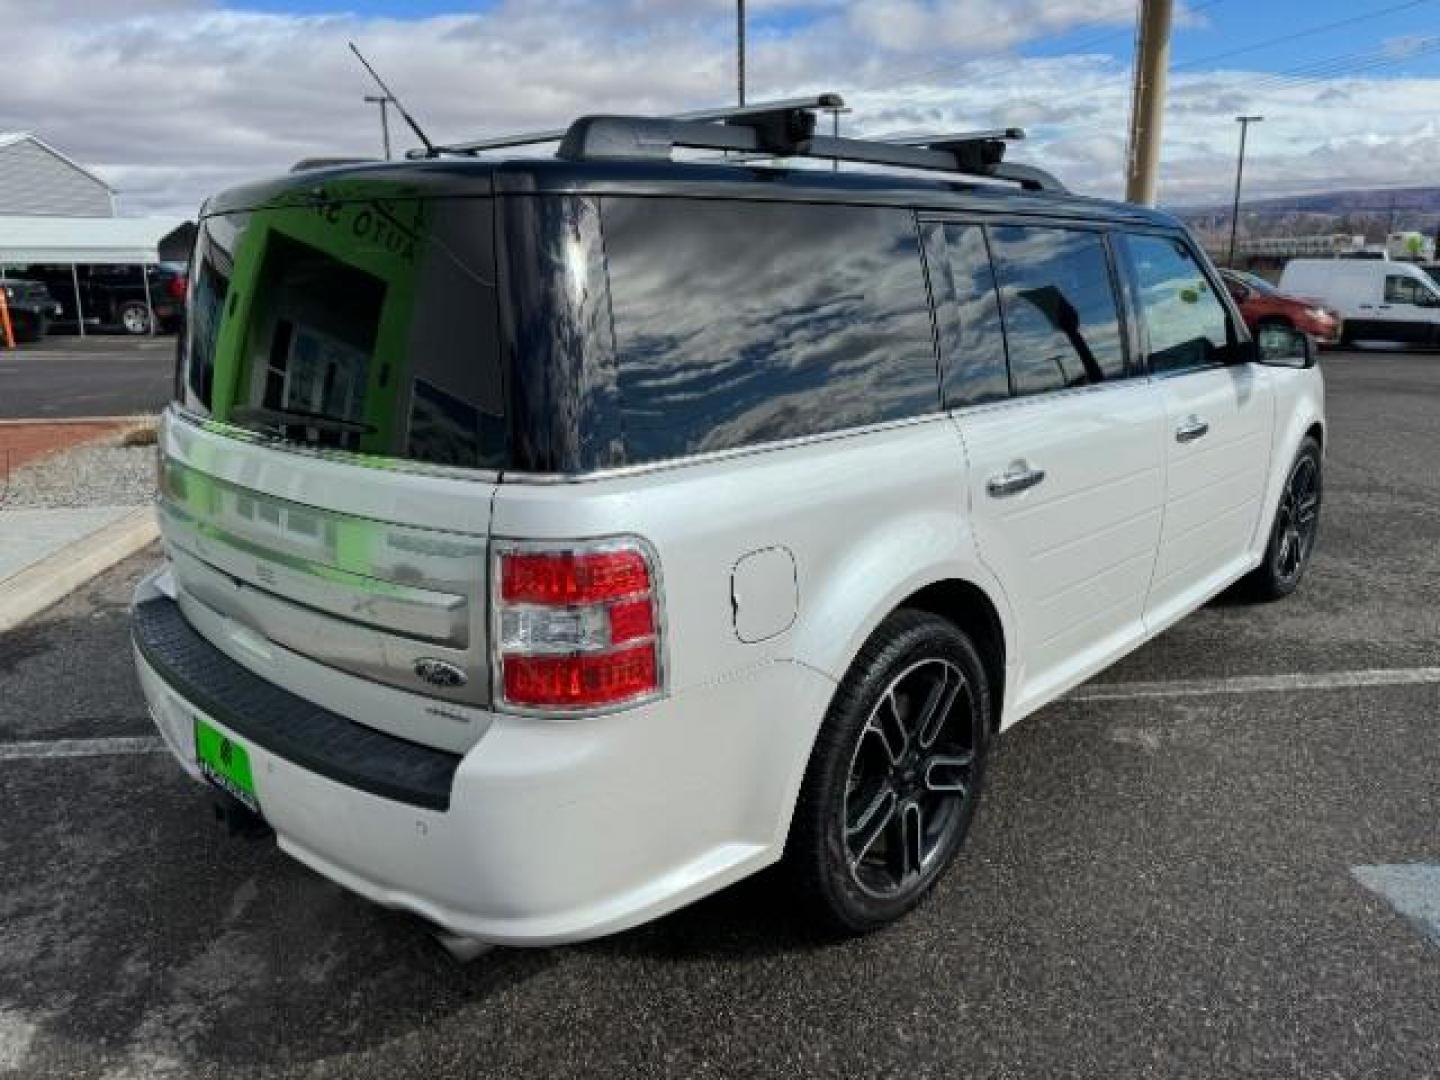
[
  {"x": 63, "y": 748},
  {"x": 1253, "y": 684},
  {"x": 1412, "y": 889}
]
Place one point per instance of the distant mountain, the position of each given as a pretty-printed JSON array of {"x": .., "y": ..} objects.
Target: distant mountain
[
  {"x": 1424, "y": 200},
  {"x": 1369, "y": 212}
]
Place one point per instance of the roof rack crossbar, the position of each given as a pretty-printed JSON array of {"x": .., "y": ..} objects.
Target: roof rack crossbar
[
  {"x": 790, "y": 132},
  {"x": 737, "y": 112}
]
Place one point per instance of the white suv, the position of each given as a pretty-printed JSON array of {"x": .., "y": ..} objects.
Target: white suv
[{"x": 553, "y": 542}]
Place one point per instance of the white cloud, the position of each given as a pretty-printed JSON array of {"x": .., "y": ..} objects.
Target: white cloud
[{"x": 173, "y": 99}]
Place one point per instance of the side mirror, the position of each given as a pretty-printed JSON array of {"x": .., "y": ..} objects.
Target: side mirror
[{"x": 1284, "y": 346}]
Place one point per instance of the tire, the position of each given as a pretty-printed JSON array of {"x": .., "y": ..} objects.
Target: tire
[
  {"x": 134, "y": 318},
  {"x": 895, "y": 775},
  {"x": 1295, "y": 529}
]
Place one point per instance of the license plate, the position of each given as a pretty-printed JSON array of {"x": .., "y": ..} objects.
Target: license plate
[{"x": 225, "y": 763}]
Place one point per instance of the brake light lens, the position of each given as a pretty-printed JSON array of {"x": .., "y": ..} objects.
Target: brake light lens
[{"x": 576, "y": 626}]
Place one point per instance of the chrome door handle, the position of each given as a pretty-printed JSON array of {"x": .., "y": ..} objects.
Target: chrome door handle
[
  {"x": 1193, "y": 428},
  {"x": 1017, "y": 478}
]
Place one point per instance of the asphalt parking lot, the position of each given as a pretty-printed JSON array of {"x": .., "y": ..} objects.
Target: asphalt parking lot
[
  {"x": 1215, "y": 861},
  {"x": 99, "y": 375}
]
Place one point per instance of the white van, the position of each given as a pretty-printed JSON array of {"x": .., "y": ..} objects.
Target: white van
[{"x": 1380, "y": 300}]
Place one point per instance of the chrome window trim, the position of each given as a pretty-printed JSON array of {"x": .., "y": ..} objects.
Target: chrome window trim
[
  {"x": 178, "y": 413},
  {"x": 620, "y": 472},
  {"x": 1130, "y": 382}
]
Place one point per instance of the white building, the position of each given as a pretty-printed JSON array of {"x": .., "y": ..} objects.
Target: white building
[
  {"x": 55, "y": 213},
  {"x": 37, "y": 179}
]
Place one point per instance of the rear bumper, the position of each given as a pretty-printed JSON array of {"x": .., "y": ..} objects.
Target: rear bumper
[{"x": 553, "y": 831}]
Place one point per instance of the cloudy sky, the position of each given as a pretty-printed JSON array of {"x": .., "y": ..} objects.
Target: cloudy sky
[{"x": 172, "y": 99}]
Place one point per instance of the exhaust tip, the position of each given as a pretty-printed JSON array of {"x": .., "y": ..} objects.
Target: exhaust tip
[{"x": 462, "y": 949}]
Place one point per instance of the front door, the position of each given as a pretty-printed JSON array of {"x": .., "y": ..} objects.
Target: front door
[
  {"x": 1409, "y": 311},
  {"x": 1218, "y": 418}
]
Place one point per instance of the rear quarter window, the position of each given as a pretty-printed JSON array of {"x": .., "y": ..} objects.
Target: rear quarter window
[{"x": 741, "y": 323}]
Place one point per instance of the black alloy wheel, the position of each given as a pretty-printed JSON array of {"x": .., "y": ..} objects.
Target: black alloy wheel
[
  {"x": 895, "y": 776},
  {"x": 1296, "y": 527}
]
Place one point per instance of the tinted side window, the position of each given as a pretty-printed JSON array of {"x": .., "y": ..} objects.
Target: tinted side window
[
  {"x": 1061, "y": 317},
  {"x": 740, "y": 323},
  {"x": 967, "y": 311},
  {"x": 1187, "y": 323},
  {"x": 1403, "y": 290}
]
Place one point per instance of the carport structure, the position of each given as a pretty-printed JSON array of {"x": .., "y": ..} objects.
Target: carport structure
[{"x": 85, "y": 241}]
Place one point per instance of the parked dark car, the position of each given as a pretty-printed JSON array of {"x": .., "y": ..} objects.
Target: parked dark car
[
  {"x": 31, "y": 308},
  {"x": 1262, "y": 304},
  {"x": 113, "y": 297}
]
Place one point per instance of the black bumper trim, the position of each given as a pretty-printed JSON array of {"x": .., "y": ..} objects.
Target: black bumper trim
[{"x": 284, "y": 724}]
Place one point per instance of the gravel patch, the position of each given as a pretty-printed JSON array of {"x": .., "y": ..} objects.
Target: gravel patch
[{"x": 84, "y": 476}]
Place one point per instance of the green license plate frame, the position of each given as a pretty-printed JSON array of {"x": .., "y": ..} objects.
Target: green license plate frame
[{"x": 225, "y": 763}]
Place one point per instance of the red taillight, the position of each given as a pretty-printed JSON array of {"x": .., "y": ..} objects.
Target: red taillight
[
  {"x": 176, "y": 288},
  {"x": 576, "y": 626},
  {"x": 572, "y": 577},
  {"x": 582, "y": 680}
]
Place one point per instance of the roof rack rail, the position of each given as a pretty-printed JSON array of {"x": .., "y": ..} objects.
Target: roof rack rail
[
  {"x": 530, "y": 138},
  {"x": 783, "y": 128},
  {"x": 306, "y": 164}
]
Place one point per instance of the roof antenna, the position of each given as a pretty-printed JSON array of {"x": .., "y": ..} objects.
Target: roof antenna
[{"x": 430, "y": 150}]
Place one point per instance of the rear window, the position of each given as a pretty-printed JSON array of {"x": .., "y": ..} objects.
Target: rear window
[
  {"x": 740, "y": 323},
  {"x": 366, "y": 326}
]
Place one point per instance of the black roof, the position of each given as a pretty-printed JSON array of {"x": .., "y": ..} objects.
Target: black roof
[{"x": 479, "y": 177}]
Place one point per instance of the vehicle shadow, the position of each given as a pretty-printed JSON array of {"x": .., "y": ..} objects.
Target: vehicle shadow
[{"x": 754, "y": 918}]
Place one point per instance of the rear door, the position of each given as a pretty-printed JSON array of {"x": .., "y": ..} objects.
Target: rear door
[
  {"x": 1218, "y": 417},
  {"x": 1063, "y": 437}
]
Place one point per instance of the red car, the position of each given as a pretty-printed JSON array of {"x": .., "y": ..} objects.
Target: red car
[{"x": 1261, "y": 304}]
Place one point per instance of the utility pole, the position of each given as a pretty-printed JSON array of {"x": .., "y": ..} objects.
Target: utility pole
[
  {"x": 1147, "y": 105},
  {"x": 740, "y": 49},
  {"x": 383, "y": 100},
  {"x": 1244, "y": 122}
]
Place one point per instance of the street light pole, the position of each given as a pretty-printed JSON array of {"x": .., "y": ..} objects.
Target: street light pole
[
  {"x": 383, "y": 100},
  {"x": 740, "y": 50},
  {"x": 1244, "y": 122}
]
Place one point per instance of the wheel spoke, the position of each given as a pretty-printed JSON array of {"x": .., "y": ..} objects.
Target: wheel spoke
[
  {"x": 873, "y": 821},
  {"x": 948, "y": 772},
  {"x": 938, "y": 706},
  {"x": 886, "y": 725},
  {"x": 912, "y": 825}
]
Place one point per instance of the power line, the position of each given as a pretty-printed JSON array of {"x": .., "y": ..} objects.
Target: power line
[
  {"x": 1080, "y": 46},
  {"x": 1120, "y": 82}
]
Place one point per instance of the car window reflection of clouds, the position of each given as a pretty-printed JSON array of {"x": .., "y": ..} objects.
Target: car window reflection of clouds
[{"x": 741, "y": 323}]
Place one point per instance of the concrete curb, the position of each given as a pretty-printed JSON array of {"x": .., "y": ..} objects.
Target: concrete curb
[
  {"x": 69, "y": 421},
  {"x": 77, "y": 421},
  {"x": 56, "y": 576}
]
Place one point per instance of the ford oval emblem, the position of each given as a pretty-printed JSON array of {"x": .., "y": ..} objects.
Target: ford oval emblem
[{"x": 438, "y": 672}]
